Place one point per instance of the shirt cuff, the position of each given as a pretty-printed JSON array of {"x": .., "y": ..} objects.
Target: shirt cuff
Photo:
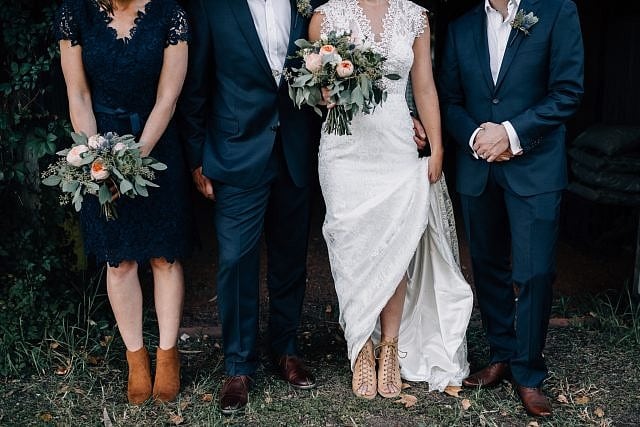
[
  {"x": 514, "y": 140},
  {"x": 472, "y": 140}
]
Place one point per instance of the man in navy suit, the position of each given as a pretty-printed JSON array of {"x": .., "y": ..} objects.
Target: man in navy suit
[
  {"x": 511, "y": 75},
  {"x": 251, "y": 151}
]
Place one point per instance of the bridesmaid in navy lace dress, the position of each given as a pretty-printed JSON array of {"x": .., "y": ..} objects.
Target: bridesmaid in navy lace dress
[{"x": 124, "y": 63}]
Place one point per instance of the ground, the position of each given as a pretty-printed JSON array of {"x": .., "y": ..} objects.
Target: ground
[{"x": 593, "y": 352}]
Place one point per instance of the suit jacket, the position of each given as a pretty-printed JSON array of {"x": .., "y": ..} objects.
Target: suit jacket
[
  {"x": 539, "y": 87},
  {"x": 231, "y": 106}
]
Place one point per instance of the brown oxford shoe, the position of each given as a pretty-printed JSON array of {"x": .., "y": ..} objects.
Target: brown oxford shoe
[
  {"x": 293, "y": 371},
  {"x": 234, "y": 394},
  {"x": 534, "y": 401},
  {"x": 490, "y": 376}
]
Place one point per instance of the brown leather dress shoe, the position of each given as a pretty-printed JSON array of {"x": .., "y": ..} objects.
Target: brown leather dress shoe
[
  {"x": 293, "y": 371},
  {"x": 534, "y": 401},
  {"x": 490, "y": 376},
  {"x": 234, "y": 394}
]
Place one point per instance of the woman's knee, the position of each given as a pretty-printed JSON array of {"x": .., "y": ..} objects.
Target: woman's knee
[
  {"x": 161, "y": 264},
  {"x": 123, "y": 271}
]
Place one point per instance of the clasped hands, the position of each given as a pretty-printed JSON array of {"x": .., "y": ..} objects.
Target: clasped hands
[{"x": 492, "y": 143}]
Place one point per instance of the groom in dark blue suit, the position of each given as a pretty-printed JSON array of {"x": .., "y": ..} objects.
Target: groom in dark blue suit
[
  {"x": 251, "y": 151},
  {"x": 511, "y": 76}
]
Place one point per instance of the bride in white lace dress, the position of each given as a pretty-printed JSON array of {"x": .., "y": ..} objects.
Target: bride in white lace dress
[{"x": 389, "y": 226}]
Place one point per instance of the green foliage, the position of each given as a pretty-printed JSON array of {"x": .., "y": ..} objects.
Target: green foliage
[{"x": 37, "y": 292}]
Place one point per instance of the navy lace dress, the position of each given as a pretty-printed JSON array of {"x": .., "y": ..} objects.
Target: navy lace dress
[{"x": 123, "y": 75}]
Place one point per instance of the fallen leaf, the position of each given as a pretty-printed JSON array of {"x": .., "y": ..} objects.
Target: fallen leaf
[
  {"x": 466, "y": 404},
  {"x": 453, "y": 390},
  {"x": 407, "y": 400},
  {"x": 268, "y": 399},
  {"x": 54, "y": 345},
  {"x": 582, "y": 400},
  {"x": 207, "y": 397},
  {"x": 176, "y": 419},
  {"x": 105, "y": 418},
  {"x": 328, "y": 309},
  {"x": 533, "y": 424},
  {"x": 183, "y": 405},
  {"x": 184, "y": 337},
  {"x": 106, "y": 340},
  {"x": 405, "y": 386},
  {"x": 562, "y": 398},
  {"x": 93, "y": 360},
  {"x": 46, "y": 417},
  {"x": 599, "y": 412},
  {"x": 62, "y": 370}
]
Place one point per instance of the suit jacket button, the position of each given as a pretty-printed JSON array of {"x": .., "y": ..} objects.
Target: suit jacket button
[{"x": 495, "y": 101}]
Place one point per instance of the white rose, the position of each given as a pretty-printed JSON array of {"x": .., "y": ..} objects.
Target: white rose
[
  {"x": 98, "y": 170},
  {"x": 119, "y": 147},
  {"x": 74, "y": 156},
  {"x": 96, "y": 141}
]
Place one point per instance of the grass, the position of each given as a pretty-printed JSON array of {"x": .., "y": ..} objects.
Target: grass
[{"x": 594, "y": 380}]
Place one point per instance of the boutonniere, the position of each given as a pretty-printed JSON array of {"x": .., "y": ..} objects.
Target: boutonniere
[
  {"x": 524, "y": 21},
  {"x": 304, "y": 8}
]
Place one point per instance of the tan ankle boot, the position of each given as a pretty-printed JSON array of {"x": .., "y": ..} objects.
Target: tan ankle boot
[
  {"x": 389, "y": 381},
  {"x": 363, "y": 382},
  {"x": 167, "y": 382},
  {"x": 139, "y": 380}
]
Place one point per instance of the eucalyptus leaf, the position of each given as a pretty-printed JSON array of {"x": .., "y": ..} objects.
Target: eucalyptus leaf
[
  {"x": 159, "y": 166},
  {"x": 70, "y": 186},
  {"x": 104, "y": 195},
  {"x": 52, "y": 180},
  {"x": 125, "y": 186}
]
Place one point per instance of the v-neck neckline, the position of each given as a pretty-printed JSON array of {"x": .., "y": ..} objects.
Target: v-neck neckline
[
  {"x": 365, "y": 21},
  {"x": 130, "y": 34}
]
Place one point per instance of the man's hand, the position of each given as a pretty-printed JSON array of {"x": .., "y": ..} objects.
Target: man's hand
[
  {"x": 505, "y": 156},
  {"x": 491, "y": 142},
  {"x": 420, "y": 136},
  {"x": 203, "y": 184}
]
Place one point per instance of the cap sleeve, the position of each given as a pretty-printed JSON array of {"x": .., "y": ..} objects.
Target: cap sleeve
[
  {"x": 418, "y": 20},
  {"x": 66, "y": 25},
  {"x": 178, "y": 27}
]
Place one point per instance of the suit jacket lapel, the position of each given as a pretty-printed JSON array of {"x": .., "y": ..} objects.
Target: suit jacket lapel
[
  {"x": 295, "y": 32},
  {"x": 482, "y": 46},
  {"x": 242, "y": 13},
  {"x": 515, "y": 39}
]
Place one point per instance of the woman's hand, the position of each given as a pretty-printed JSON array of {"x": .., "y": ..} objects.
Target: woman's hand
[
  {"x": 435, "y": 167},
  {"x": 326, "y": 98}
]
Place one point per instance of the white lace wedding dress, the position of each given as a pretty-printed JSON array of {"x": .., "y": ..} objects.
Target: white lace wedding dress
[{"x": 385, "y": 220}]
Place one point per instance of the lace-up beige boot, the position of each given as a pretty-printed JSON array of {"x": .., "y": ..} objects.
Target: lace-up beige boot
[
  {"x": 389, "y": 381},
  {"x": 363, "y": 382}
]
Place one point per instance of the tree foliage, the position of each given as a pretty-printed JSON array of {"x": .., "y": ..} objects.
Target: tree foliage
[{"x": 36, "y": 289}]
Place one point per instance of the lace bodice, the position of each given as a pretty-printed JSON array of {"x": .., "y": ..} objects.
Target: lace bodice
[
  {"x": 123, "y": 72},
  {"x": 403, "y": 22}
]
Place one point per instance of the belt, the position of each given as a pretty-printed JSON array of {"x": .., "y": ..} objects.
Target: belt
[{"x": 135, "y": 119}]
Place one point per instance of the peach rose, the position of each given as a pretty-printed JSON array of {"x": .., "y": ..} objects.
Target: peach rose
[
  {"x": 96, "y": 141},
  {"x": 344, "y": 68},
  {"x": 313, "y": 62},
  {"x": 74, "y": 156},
  {"x": 98, "y": 170},
  {"x": 327, "y": 49}
]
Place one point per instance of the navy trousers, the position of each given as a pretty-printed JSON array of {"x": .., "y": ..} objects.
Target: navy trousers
[
  {"x": 513, "y": 251},
  {"x": 280, "y": 209}
]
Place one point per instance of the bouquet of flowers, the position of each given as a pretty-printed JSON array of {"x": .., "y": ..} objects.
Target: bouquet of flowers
[
  {"x": 106, "y": 166},
  {"x": 351, "y": 72}
]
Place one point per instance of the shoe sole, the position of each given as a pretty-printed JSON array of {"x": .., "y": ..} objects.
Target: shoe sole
[
  {"x": 301, "y": 387},
  {"x": 231, "y": 411}
]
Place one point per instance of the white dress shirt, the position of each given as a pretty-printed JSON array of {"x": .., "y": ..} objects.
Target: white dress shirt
[
  {"x": 498, "y": 31},
  {"x": 272, "y": 19}
]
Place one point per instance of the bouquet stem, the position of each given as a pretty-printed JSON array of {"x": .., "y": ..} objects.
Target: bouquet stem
[
  {"x": 109, "y": 211},
  {"x": 337, "y": 121}
]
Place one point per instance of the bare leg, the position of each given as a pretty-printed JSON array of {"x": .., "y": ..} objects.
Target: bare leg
[
  {"x": 389, "y": 382},
  {"x": 169, "y": 296},
  {"x": 392, "y": 312},
  {"x": 125, "y": 296}
]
